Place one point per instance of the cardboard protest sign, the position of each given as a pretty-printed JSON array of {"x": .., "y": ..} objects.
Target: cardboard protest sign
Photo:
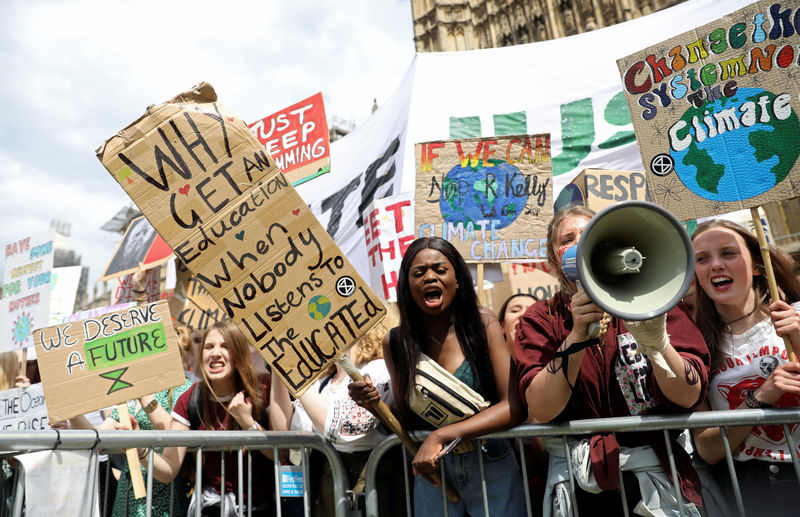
[
  {"x": 297, "y": 139},
  {"x": 103, "y": 361},
  {"x": 491, "y": 197},
  {"x": 152, "y": 287},
  {"x": 601, "y": 188},
  {"x": 23, "y": 409},
  {"x": 715, "y": 112},
  {"x": 192, "y": 305},
  {"x": 217, "y": 198},
  {"x": 388, "y": 231},
  {"x": 537, "y": 279},
  {"x": 141, "y": 246},
  {"x": 26, "y": 290}
]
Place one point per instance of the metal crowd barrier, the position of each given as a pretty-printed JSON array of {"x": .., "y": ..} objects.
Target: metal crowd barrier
[
  {"x": 662, "y": 423},
  {"x": 19, "y": 442}
]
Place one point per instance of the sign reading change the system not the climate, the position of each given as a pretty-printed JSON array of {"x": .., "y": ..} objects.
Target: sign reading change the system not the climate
[
  {"x": 102, "y": 361},
  {"x": 715, "y": 112},
  {"x": 491, "y": 197},
  {"x": 217, "y": 198}
]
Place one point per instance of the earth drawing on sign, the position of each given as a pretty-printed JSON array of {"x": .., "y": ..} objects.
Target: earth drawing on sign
[{"x": 741, "y": 146}]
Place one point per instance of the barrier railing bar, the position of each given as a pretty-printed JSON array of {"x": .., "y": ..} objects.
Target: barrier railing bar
[
  {"x": 94, "y": 463},
  {"x": 149, "y": 500},
  {"x": 306, "y": 495},
  {"x": 19, "y": 492},
  {"x": 406, "y": 482},
  {"x": 479, "y": 451},
  {"x": 240, "y": 485},
  {"x": 674, "y": 472},
  {"x": 572, "y": 495},
  {"x": 623, "y": 495},
  {"x": 198, "y": 489},
  {"x": 737, "y": 494},
  {"x": 525, "y": 482},
  {"x": 105, "y": 487},
  {"x": 222, "y": 485},
  {"x": 276, "y": 466},
  {"x": 790, "y": 442},
  {"x": 249, "y": 483}
]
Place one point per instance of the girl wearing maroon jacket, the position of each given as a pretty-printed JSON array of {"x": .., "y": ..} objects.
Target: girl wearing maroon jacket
[{"x": 566, "y": 375}]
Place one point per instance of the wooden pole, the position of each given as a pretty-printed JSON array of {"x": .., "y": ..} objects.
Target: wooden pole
[
  {"x": 773, "y": 286},
  {"x": 385, "y": 415},
  {"x": 134, "y": 467},
  {"x": 481, "y": 291}
]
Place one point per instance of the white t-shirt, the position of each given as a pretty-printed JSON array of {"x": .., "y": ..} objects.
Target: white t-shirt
[
  {"x": 747, "y": 361},
  {"x": 348, "y": 426}
]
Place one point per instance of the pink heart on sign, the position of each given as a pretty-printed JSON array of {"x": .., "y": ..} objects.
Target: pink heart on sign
[
  {"x": 230, "y": 119},
  {"x": 184, "y": 190},
  {"x": 296, "y": 211}
]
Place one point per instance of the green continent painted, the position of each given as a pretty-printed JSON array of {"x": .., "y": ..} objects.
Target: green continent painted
[
  {"x": 708, "y": 172},
  {"x": 126, "y": 346}
]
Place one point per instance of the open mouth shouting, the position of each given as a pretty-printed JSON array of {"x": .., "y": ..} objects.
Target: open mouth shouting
[
  {"x": 721, "y": 282},
  {"x": 216, "y": 366},
  {"x": 433, "y": 297}
]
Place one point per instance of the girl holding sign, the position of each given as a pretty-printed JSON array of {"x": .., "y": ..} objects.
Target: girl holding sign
[
  {"x": 230, "y": 397},
  {"x": 749, "y": 366},
  {"x": 566, "y": 375},
  {"x": 444, "y": 334}
]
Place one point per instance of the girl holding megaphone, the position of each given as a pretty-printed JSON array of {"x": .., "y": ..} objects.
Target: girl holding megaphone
[{"x": 655, "y": 366}]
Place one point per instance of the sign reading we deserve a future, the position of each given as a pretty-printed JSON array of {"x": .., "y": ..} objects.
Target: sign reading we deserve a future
[
  {"x": 106, "y": 360},
  {"x": 491, "y": 197},
  {"x": 715, "y": 112},
  {"x": 218, "y": 199}
]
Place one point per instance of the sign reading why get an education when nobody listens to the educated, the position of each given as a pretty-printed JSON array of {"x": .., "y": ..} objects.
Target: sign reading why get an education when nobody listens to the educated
[
  {"x": 491, "y": 197},
  {"x": 715, "y": 112},
  {"x": 218, "y": 199},
  {"x": 98, "y": 362}
]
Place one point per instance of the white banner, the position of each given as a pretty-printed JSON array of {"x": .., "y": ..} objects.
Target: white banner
[
  {"x": 64, "y": 287},
  {"x": 58, "y": 483},
  {"x": 388, "y": 231},
  {"x": 569, "y": 87}
]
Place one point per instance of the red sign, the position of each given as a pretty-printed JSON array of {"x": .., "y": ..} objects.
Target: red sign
[{"x": 297, "y": 139}]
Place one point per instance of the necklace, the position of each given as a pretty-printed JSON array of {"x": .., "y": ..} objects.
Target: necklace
[{"x": 740, "y": 318}]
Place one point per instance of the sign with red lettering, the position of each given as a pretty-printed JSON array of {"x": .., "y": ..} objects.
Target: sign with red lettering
[
  {"x": 297, "y": 139},
  {"x": 601, "y": 188},
  {"x": 152, "y": 287},
  {"x": 715, "y": 111},
  {"x": 491, "y": 197},
  {"x": 388, "y": 231},
  {"x": 536, "y": 279},
  {"x": 27, "y": 277}
]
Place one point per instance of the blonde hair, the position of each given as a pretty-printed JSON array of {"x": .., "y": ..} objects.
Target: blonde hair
[
  {"x": 186, "y": 346},
  {"x": 9, "y": 369}
]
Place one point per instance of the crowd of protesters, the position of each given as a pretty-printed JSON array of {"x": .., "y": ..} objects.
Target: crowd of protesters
[{"x": 535, "y": 362}]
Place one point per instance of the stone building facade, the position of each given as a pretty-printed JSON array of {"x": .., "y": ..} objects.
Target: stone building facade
[{"x": 444, "y": 25}]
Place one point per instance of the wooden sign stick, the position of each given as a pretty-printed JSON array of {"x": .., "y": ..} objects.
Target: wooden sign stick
[
  {"x": 385, "y": 415},
  {"x": 481, "y": 292},
  {"x": 134, "y": 467},
  {"x": 773, "y": 286}
]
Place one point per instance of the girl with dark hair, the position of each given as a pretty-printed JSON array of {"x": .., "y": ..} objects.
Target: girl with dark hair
[
  {"x": 229, "y": 397},
  {"x": 749, "y": 363},
  {"x": 566, "y": 375},
  {"x": 441, "y": 318},
  {"x": 511, "y": 311}
]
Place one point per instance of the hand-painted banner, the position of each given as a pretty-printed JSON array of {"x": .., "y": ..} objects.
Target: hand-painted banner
[
  {"x": 26, "y": 290},
  {"x": 715, "y": 112},
  {"x": 207, "y": 186},
  {"x": 140, "y": 247},
  {"x": 152, "y": 287},
  {"x": 388, "y": 231},
  {"x": 191, "y": 304},
  {"x": 572, "y": 90},
  {"x": 23, "y": 409},
  {"x": 297, "y": 139},
  {"x": 537, "y": 279},
  {"x": 99, "y": 362},
  {"x": 599, "y": 188},
  {"x": 491, "y": 197}
]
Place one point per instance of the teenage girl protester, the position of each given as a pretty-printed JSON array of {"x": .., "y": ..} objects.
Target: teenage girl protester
[
  {"x": 566, "y": 375},
  {"x": 440, "y": 317},
  {"x": 749, "y": 364}
]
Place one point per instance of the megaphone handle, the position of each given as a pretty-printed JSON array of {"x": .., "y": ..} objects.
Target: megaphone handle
[{"x": 593, "y": 330}]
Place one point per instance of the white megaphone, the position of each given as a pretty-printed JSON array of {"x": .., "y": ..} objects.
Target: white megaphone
[{"x": 634, "y": 260}]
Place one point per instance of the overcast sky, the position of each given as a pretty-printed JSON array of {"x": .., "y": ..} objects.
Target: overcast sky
[{"x": 75, "y": 72}]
